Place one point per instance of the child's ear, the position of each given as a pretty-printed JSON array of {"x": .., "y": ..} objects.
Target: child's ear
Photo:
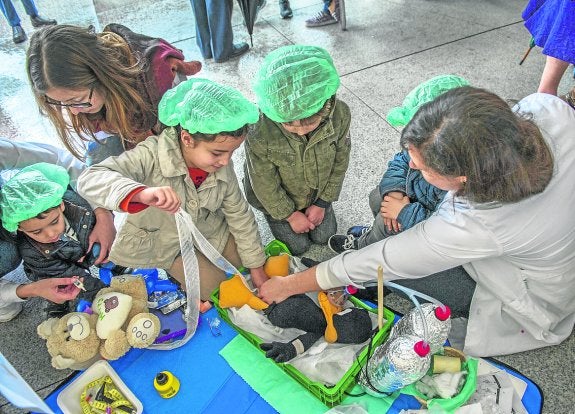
[
  {"x": 62, "y": 206},
  {"x": 186, "y": 138}
]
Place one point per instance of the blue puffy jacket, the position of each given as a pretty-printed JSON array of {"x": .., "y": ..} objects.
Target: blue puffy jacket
[{"x": 424, "y": 197}]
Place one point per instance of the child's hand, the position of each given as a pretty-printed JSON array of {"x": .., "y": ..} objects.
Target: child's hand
[
  {"x": 390, "y": 209},
  {"x": 315, "y": 214},
  {"x": 258, "y": 276},
  {"x": 164, "y": 198},
  {"x": 300, "y": 223}
]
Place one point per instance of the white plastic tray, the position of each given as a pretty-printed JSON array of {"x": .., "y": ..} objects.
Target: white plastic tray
[{"x": 69, "y": 398}]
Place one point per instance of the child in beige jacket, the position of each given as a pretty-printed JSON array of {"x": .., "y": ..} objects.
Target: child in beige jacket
[{"x": 189, "y": 166}]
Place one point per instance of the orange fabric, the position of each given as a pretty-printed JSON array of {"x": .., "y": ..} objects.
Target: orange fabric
[{"x": 133, "y": 207}]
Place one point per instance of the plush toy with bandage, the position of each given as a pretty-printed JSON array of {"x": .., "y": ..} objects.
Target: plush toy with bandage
[{"x": 328, "y": 319}]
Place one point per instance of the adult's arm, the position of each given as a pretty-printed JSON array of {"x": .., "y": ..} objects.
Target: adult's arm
[{"x": 21, "y": 154}]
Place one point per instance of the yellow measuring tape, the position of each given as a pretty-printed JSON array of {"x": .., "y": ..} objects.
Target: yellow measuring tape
[{"x": 102, "y": 397}]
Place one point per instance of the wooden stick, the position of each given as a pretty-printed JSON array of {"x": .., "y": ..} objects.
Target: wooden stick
[{"x": 380, "y": 297}]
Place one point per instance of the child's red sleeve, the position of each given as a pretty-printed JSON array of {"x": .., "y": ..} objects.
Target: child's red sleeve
[{"x": 133, "y": 207}]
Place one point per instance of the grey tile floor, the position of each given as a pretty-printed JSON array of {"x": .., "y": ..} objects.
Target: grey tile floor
[{"x": 390, "y": 47}]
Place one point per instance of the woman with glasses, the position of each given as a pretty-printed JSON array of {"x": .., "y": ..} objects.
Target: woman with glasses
[{"x": 102, "y": 87}]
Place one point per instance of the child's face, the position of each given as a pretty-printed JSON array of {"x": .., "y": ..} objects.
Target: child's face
[
  {"x": 299, "y": 128},
  {"x": 209, "y": 156},
  {"x": 47, "y": 229}
]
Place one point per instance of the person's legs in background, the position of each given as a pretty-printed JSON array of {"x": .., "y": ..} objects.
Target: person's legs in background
[
  {"x": 18, "y": 34},
  {"x": 551, "y": 76},
  {"x": 325, "y": 16},
  {"x": 214, "y": 33},
  {"x": 282, "y": 231},
  {"x": 326, "y": 229},
  {"x": 285, "y": 9}
]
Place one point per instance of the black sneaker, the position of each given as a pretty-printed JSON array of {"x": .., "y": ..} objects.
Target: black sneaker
[
  {"x": 358, "y": 231},
  {"x": 340, "y": 243},
  {"x": 57, "y": 310}
]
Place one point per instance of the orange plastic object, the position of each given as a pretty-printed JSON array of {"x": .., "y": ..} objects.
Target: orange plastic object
[
  {"x": 234, "y": 293},
  {"x": 277, "y": 265},
  {"x": 328, "y": 311}
]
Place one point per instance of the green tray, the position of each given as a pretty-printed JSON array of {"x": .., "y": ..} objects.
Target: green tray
[{"x": 329, "y": 395}]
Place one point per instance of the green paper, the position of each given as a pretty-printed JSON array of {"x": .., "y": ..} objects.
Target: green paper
[{"x": 279, "y": 389}]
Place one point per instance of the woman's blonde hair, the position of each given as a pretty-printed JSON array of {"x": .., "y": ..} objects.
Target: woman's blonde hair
[{"x": 77, "y": 58}]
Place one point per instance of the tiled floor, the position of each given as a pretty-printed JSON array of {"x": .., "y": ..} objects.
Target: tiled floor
[{"x": 390, "y": 47}]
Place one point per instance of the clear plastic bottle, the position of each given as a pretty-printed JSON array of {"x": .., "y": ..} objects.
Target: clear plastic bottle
[
  {"x": 438, "y": 325},
  {"x": 398, "y": 362}
]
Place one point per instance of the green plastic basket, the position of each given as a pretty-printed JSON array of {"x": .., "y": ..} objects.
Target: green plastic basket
[{"x": 329, "y": 395}]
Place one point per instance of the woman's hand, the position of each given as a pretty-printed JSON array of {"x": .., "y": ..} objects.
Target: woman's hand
[
  {"x": 300, "y": 223},
  {"x": 57, "y": 290},
  {"x": 274, "y": 290},
  {"x": 315, "y": 214},
  {"x": 258, "y": 276},
  {"x": 103, "y": 233},
  {"x": 164, "y": 198}
]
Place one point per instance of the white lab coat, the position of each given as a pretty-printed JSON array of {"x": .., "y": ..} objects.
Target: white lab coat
[{"x": 521, "y": 255}]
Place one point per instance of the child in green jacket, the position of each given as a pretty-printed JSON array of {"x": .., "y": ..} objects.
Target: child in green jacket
[{"x": 297, "y": 154}]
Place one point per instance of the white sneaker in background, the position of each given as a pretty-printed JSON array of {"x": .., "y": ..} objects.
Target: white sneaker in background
[{"x": 9, "y": 311}]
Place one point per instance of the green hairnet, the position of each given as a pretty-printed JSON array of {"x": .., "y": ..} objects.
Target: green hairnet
[
  {"x": 425, "y": 92},
  {"x": 201, "y": 105},
  {"x": 31, "y": 191},
  {"x": 294, "y": 82}
]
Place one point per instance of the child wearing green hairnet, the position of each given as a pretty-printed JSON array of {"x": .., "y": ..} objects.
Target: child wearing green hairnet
[
  {"x": 189, "y": 166},
  {"x": 52, "y": 225},
  {"x": 297, "y": 155},
  {"x": 403, "y": 197}
]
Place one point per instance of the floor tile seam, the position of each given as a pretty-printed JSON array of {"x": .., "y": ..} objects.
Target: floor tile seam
[{"x": 429, "y": 48}]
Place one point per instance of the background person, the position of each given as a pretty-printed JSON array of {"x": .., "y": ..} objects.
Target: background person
[
  {"x": 103, "y": 86},
  {"x": 18, "y": 34},
  {"x": 507, "y": 219}
]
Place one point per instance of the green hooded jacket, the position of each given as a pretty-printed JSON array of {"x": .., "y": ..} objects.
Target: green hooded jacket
[{"x": 285, "y": 172}]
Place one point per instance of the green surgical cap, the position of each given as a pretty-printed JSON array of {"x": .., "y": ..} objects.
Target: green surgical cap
[
  {"x": 32, "y": 191},
  {"x": 200, "y": 105},
  {"x": 426, "y": 92},
  {"x": 294, "y": 82}
]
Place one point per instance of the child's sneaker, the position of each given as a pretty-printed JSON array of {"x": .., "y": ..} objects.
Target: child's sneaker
[
  {"x": 340, "y": 243},
  {"x": 358, "y": 231},
  {"x": 57, "y": 310},
  {"x": 323, "y": 18}
]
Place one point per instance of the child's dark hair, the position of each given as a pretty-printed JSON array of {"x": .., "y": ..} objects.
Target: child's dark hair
[
  {"x": 199, "y": 136},
  {"x": 472, "y": 132}
]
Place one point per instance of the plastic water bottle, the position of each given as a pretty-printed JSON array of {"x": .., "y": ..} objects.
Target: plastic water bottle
[
  {"x": 398, "y": 362},
  {"x": 438, "y": 325}
]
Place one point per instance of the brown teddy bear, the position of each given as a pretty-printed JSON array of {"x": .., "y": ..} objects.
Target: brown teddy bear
[{"x": 120, "y": 321}]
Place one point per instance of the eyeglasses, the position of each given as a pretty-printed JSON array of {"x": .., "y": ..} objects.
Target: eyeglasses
[{"x": 72, "y": 105}]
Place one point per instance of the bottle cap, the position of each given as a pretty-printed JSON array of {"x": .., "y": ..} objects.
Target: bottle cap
[
  {"x": 442, "y": 312},
  {"x": 161, "y": 378},
  {"x": 421, "y": 348}
]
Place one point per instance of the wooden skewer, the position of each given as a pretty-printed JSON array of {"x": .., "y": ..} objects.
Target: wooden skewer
[{"x": 380, "y": 297}]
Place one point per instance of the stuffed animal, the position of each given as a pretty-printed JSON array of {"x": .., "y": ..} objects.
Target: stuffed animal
[
  {"x": 71, "y": 340},
  {"x": 120, "y": 321}
]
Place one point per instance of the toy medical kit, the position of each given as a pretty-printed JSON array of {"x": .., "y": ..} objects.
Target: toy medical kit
[
  {"x": 166, "y": 384},
  {"x": 97, "y": 389}
]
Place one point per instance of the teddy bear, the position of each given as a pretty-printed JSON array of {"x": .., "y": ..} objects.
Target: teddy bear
[{"x": 120, "y": 321}]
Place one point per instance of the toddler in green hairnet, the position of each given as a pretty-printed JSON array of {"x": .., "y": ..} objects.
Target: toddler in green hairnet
[
  {"x": 403, "y": 198},
  {"x": 188, "y": 165},
  {"x": 297, "y": 155},
  {"x": 52, "y": 225}
]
